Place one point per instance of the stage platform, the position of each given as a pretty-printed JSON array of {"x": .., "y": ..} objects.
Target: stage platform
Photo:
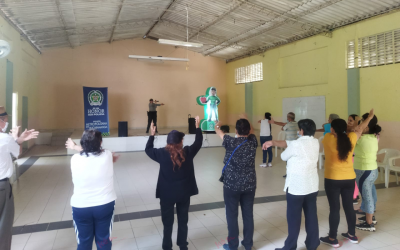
[{"x": 137, "y": 139}]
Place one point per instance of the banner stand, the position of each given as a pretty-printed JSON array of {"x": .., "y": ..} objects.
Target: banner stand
[{"x": 96, "y": 109}]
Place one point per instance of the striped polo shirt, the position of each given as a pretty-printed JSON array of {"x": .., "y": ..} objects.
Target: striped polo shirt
[{"x": 291, "y": 129}]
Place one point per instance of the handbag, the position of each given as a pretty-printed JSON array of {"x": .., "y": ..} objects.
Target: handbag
[{"x": 221, "y": 179}]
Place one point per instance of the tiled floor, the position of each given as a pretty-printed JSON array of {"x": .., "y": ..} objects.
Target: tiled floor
[{"x": 43, "y": 192}]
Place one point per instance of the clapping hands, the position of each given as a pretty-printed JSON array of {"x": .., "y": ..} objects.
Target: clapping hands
[{"x": 25, "y": 136}]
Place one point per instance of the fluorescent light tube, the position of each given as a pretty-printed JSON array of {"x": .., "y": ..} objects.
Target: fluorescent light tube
[
  {"x": 179, "y": 43},
  {"x": 159, "y": 58}
]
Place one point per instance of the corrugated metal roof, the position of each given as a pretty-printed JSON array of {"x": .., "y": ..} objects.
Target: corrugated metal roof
[{"x": 229, "y": 29}]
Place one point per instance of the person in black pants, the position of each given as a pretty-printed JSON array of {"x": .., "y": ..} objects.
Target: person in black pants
[
  {"x": 301, "y": 184},
  {"x": 239, "y": 178},
  {"x": 152, "y": 114},
  {"x": 340, "y": 177},
  {"x": 176, "y": 181}
]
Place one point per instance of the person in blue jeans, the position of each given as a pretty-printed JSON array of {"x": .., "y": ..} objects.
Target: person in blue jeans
[
  {"x": 266, "y": 135},
  {"x": 94, "y": 197}
]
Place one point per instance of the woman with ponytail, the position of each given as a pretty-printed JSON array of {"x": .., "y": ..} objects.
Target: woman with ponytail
[
  {"x": 176, "y": 181},
  {"x": 366, "y": 169},
  {"x": 340, "y": 177}
]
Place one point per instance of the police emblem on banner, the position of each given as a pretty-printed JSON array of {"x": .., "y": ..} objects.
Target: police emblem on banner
[
  {"x": 96, "y": 109},
  {"x": 95, "y": 98}
]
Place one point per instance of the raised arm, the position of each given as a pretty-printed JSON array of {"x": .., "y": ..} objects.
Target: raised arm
[
  {"x": 360, "y": 128},
  {"x": 150, "y": 150},
  {"x": 198, "y": 142},
  {"x": 25, "y": 136},
  {"x": 218, "y": 131},
  {"x": 272, "y": 121}
]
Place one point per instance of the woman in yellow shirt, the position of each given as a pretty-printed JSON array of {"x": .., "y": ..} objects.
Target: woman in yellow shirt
[
  {"x": 366, "y": 169},
  {"x": 340, "y": 177}
]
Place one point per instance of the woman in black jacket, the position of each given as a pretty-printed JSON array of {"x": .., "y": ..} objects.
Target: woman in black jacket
[{"x": 176, "y": 181}]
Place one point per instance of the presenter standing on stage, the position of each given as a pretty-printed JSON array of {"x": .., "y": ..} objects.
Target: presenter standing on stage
[{"x": 152, "y": 114}]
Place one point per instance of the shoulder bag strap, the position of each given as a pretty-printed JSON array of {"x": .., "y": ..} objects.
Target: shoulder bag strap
[{"x": 232, "y": 155}]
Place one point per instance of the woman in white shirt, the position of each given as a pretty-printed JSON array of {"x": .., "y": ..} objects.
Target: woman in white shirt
[
  {"x": 265, "y": 135},
  {"x": 301, "y": 185},
  {"x": 94, "y": 197}
]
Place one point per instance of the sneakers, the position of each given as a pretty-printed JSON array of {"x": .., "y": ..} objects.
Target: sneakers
[
  {"x": 285, "y": 176},
  {"x": 364, "y": 219},
  {"x": 269, "y": 165},
  {"x": 226, "y": 247},
  {"x": 352, "y": 239},
  {"x": 327, "y": 241},
  {"x": 366, "y": 227},
  {"x": 355, "y": 201},
  {"x": 264, "y": 165}
]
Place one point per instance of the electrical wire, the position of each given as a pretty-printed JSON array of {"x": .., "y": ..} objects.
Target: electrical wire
[{"x": 187, "y": 35}]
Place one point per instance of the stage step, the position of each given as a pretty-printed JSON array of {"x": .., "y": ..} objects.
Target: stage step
[{"x": 59, "y": 138}]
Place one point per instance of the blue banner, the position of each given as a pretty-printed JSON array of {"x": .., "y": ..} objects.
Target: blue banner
[{"x": 96, "y": 109}]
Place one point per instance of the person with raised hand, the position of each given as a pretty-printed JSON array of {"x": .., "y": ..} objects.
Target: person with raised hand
[
  {"x": 9, "y": 146},
  {"x": 176, "y": 181},
  {"x": 340, "y": 177},
  {"x": 239, "y": 178},
  {"x": 94, "y": 197},
  {"x": 366, "y": 168}
]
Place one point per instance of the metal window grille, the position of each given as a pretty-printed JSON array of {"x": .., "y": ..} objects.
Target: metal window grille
[
  {"x": 250, "y": 73},
  {"x": 351, "y": 54},
  {"x": 375, "y": 50}
]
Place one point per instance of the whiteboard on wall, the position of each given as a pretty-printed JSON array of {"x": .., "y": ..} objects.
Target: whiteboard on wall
[{"x": 311, "y": 107}]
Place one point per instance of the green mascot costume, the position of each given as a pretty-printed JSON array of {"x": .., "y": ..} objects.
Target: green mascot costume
[{"x": 210, "y": 101}]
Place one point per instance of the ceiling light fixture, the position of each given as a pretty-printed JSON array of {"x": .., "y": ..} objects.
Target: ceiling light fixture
[
  {"x": 159, "y": 58},
  {"x": 179, "y": 43}
]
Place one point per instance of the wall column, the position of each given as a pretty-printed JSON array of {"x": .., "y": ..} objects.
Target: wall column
[{"x": 353, "y": 91}]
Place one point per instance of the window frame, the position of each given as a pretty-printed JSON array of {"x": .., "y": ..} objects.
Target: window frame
[{"x": 249, "y": 73}]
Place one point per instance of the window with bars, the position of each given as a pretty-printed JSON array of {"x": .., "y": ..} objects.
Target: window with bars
[
  {"x": 351, "y": 47},
  {"x": 251, "y": 73},
  {"x": 375, "y": 50}
]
